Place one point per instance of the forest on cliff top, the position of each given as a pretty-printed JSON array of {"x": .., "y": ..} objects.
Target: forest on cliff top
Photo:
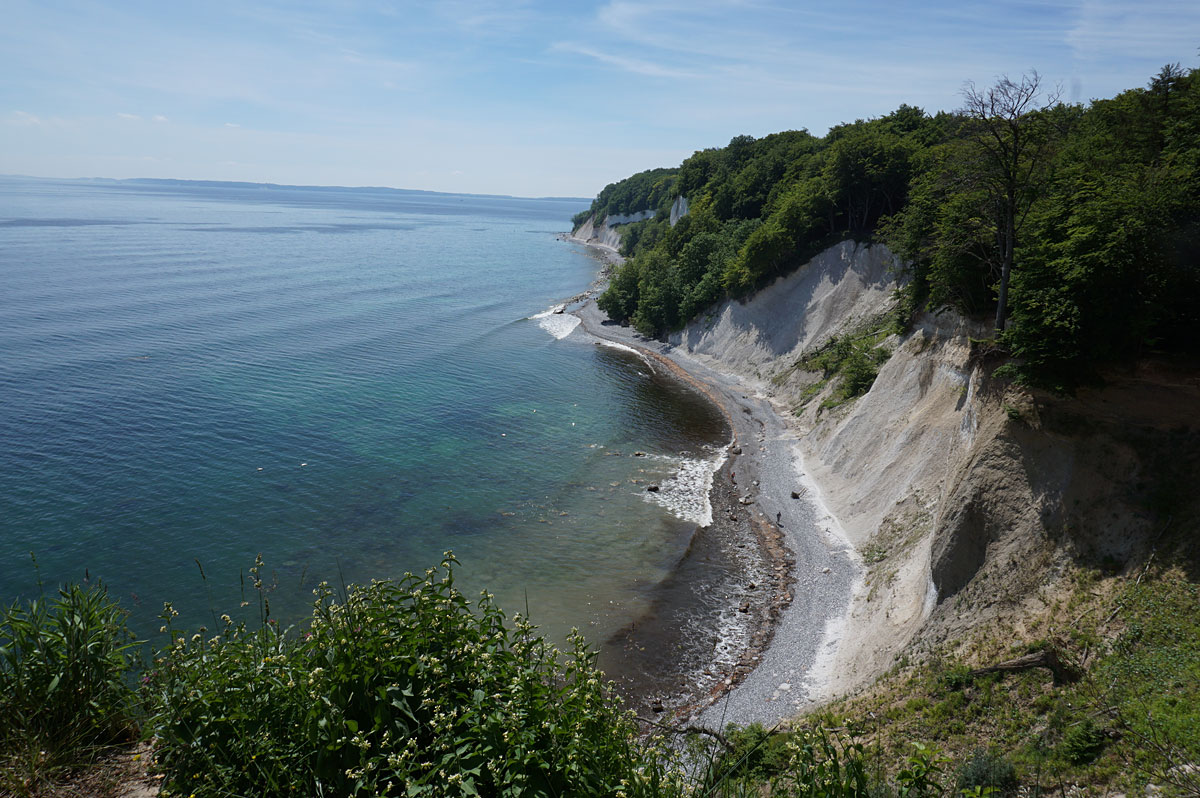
[{"x": 1077, "y": 228}]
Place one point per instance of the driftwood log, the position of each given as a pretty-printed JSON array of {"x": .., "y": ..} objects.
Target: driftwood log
[{"x": 1064, "y": 672}]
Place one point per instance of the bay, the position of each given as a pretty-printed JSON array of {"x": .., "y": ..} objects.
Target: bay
[{"x": 348, "y": 382}]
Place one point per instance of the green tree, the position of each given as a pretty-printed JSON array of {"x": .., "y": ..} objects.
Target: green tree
[
  {"x": 1011, "y": 142},
  {"x": 866, "y": 174}
]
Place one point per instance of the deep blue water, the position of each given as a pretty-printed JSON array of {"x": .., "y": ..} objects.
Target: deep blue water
[{"x": 345, "y": 381}]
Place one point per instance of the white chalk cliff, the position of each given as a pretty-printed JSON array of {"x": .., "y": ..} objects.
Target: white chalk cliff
[{"x": 949, "y": 482}]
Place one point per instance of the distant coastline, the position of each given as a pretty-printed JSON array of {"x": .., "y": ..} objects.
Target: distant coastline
[{"x": 241, "y": 184}]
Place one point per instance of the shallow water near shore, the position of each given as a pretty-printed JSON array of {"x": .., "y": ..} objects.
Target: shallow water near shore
[{"x": 349, "y": 382}]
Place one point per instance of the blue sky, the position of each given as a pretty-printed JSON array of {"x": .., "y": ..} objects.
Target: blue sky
[{"x": 515, "y": 97}]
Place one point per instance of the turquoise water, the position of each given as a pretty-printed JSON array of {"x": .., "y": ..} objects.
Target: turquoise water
[{"x": 348, "y": 382}]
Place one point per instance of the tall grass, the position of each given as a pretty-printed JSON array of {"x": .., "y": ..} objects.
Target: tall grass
[{"x": 65, "y": 693}]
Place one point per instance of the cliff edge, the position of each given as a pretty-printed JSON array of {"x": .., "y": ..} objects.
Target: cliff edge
[{"x": 965, "y": 496}]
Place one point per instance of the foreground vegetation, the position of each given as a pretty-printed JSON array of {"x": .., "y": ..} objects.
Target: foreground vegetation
[
  {"x": 65, "y": 697},
  {"x": 1074, "y": 227},
  {"x": 407, "y": 688}
]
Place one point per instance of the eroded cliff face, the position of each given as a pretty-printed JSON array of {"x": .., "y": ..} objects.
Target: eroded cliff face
[
  {"x": 679, "y": 209},
  {"x": 762, "y": 337},
  {"x": 964, "y": 495},
  {"x": 605, "y": 233},
  {"x": 598, "y": 235}
]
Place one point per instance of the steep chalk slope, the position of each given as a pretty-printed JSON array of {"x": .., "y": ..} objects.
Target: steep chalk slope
[
  {"x": 885, "y": 466},
  {"x": 970, "y": 497},
  {"x": 598, "y": 235},
  {"x": 879, "y": 465},
  {"x": 606, "y": 234},
  {"x": 963, "y": 495},
  {"x": 762, "y": 337}
]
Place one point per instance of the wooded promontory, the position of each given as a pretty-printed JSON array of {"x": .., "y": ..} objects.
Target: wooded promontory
[{"x": 1075, "y": 227}]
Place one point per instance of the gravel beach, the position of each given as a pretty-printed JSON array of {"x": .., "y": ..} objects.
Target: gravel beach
[{"x": 761, "y": 499}]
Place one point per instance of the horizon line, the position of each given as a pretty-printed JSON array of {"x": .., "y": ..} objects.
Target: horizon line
[{"x": 303, "y": 187}]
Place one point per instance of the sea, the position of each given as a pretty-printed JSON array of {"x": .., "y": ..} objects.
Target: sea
[{"x": 346, "y": 382}]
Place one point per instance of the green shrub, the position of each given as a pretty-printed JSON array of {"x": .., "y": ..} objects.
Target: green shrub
[
  {"x": 984, "y": 769},
  {"x": 1082, "y": 743},
  {"x": 398, "y": 689},
  {"x": 64, "y": 687},
  {"x": 756, "y": 752},
  {"x": 956, "y": 677},
  {"x": 854, "y": 358}
]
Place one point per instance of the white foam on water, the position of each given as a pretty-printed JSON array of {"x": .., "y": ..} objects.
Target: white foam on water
[
  {"x": 624, "y": 348},
  {"x": 555, "y": 322},
  {"x": 729, "y": 628},
  {"x": 686, "y": 492}
]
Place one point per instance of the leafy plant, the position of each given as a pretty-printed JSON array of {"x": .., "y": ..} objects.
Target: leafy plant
[
  {"x": 65, "y": 692},
  {"x": 921, "y": 776},
  {"x": 395, "y": 688},
  {"x": 987, "y": 770},
  {"x": 854, "y": 359},
  {"x": 956, "y": 677},
  {"x": 806, "y": 763},
  {"x": 1082, "y": 743}
]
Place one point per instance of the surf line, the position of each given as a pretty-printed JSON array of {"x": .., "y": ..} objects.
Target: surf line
[{"x": 767, "y": 536}]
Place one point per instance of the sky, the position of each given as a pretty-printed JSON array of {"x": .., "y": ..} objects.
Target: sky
[{"x": 521, "y": 97}]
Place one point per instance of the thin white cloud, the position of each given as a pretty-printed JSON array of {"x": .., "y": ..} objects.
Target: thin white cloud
[
  {"x": 391, "y": 73},
  {"x": 488, "y": 17},
  {"x": 1104, "y": 29},
  {"x": 133, "y": 117},
  {"x": 638, "y": 66},
  {"x": 25, "y": 119},
  {"x": 712, "y": 31},
  {"x": 326, "y": 76}
]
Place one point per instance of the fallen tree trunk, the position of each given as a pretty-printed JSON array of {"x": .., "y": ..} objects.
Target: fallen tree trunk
[{"x": 1064, "y": 672}]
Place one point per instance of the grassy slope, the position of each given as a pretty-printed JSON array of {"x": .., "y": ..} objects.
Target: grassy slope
[{"x": 1133, "y": 719}]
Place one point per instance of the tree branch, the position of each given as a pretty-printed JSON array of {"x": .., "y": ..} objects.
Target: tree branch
[{"x": 716, "y": 735}]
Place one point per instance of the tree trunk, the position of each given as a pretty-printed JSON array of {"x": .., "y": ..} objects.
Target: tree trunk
[
  {"x": 1064, "y": 672},
  {"x": 1010, "y": 242},
  {"x": 1002, "y": 300}
]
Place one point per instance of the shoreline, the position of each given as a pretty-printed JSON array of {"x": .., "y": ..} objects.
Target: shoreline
[{"x": 762, "y": 499}]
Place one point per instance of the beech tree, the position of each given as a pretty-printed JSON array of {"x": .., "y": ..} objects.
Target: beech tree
[
  {"x": 1075, "y": 226},
  {"x": 1011, "y": 140}
]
